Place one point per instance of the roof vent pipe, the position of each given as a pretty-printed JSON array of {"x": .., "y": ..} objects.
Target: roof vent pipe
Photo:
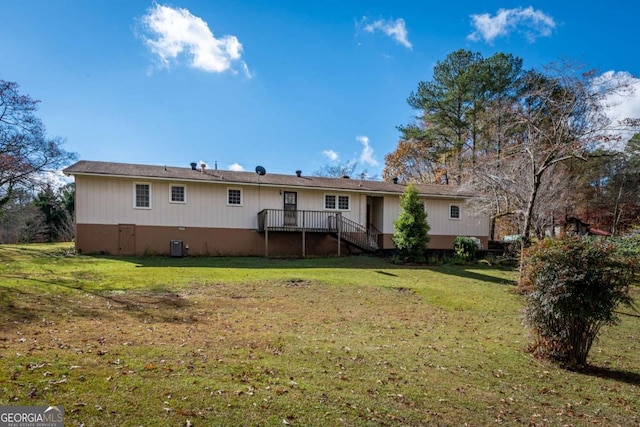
[
  {"x": 194, "y": 165},
  {"x": 298, "y": 173},
  {"x": 203, "y": 167},
  {"x": 395, "y": 180}
]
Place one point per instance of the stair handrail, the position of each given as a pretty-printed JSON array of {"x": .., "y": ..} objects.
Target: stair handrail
[{"x": 358, "y": 234}]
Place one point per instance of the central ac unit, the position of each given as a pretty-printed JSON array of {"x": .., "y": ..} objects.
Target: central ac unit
[{"x": 176, "y": 248}]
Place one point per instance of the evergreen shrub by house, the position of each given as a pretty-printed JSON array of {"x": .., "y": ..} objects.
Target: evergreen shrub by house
[
  {"x": 572, "y": 287},
  {"x": 411, "y": 228}
]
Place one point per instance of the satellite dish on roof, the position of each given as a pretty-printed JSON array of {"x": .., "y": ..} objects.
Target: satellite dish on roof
[{"x": 260, "y": 170}]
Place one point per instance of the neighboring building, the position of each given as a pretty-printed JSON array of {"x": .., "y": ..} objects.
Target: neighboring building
[
  {"x": 127, "y": 209},
  {"x": 573, "y": 226}
]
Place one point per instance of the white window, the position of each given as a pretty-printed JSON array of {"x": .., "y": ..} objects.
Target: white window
[
  {"x": 343, "y": 203},
  {"x": 177, "y": 193},
  {"x": 454, "y": 211},
  {"x": 234, "y": 197},
  {"x": 329, "y": 201},
  {"x": 141, "y": 195},
  {"x": 337, "y": 202}
]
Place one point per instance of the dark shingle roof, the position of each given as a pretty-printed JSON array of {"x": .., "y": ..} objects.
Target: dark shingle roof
[{"x": 87, "y": 167}]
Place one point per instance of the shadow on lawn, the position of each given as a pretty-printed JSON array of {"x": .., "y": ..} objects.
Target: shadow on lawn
[
  {"x": 628, "y": 377},
  {"x": 354, "y": 261},
  {"x": 157, "y": 305},
  {"x": 467, "y": 273},
  {"x": 376, "y": 263}
]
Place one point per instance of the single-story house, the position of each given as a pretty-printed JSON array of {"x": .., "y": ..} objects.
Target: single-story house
[{"x": 131, "y": 209}]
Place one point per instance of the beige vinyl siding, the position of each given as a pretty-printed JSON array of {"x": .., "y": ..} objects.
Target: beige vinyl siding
[
  {"x": 313, "y": 200},
  {"x": 467, "y": 225},
  {"x": 106, "y": 200},
  {"x": 109, "y": 201},
  {"x": 438, "y": 218},
  {"x": 391, "y": 212}
]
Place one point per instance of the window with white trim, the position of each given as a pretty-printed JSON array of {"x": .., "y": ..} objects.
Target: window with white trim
[
  {"x": 454, "y": 211},
  {"x": 337, "y": 202},
  {"x": 329, "y": 201},
  {"x": 177, "y": 193},
  {"x": 141, "y": 195},
  {"x": 343, "y": 203},
  {"x": 234, "y": 197}
]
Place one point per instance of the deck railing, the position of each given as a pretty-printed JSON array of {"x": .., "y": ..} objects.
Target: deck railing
[
  {"x": 284, "y": 220},
  {"x": 318, "y": 221}
]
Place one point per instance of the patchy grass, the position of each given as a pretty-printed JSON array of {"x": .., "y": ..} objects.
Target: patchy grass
[{"x": 249, "y": 341}]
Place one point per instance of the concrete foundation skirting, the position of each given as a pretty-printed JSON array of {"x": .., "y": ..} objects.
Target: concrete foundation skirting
[{"x": 131, "y": 239}]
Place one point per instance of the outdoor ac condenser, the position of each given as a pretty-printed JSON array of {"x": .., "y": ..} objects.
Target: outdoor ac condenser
[{"x": 176, "y": 248}]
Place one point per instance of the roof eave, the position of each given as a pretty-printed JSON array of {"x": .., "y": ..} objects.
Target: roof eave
[{"x": 271, "y": 185}]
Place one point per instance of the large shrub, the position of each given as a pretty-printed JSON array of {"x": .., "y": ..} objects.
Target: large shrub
[
  {"x": 572, "y": 286},
  {"x": 411, "y": 228},
  {"x": 466, "y": 248}
]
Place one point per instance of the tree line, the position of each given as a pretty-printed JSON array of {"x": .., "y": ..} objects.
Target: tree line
[
  {"x": 32, "y": 208},
  {"x": 535, "y": 145},
  {"x": 45, "y": 215}
]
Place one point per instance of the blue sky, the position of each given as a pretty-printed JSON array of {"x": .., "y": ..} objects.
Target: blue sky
[{"x": 283, "y": 84}]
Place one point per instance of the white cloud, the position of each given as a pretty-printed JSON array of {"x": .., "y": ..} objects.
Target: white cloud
[
  {"x": 175, "y": 33},
  {"x": 622, "y": 104},
  {"x": 366, "y": 156},
  {"x": 236, "y": 167},
  {"x": 530, "y": 22},
  {"x": 56, "y": 178},
  {"x": 332, "y": 155},
  {"x": 246, "y": 70},
  {"x": 395, "y": 29}
]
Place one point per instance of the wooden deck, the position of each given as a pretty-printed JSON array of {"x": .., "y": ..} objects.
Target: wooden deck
[{"x": 329, "y": 222}]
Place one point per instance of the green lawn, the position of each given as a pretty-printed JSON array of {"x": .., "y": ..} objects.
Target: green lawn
[{"x": 315, "y": 342}]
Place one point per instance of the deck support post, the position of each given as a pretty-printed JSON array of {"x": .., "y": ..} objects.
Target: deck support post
[
  {"x": 339, "y": 225},
  {"x": 304, "y": 244},
  {"x": 266, "y": 235}
]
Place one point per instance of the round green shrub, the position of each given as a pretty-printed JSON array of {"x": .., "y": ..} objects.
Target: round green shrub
[{"x": 466, "y": 248}]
